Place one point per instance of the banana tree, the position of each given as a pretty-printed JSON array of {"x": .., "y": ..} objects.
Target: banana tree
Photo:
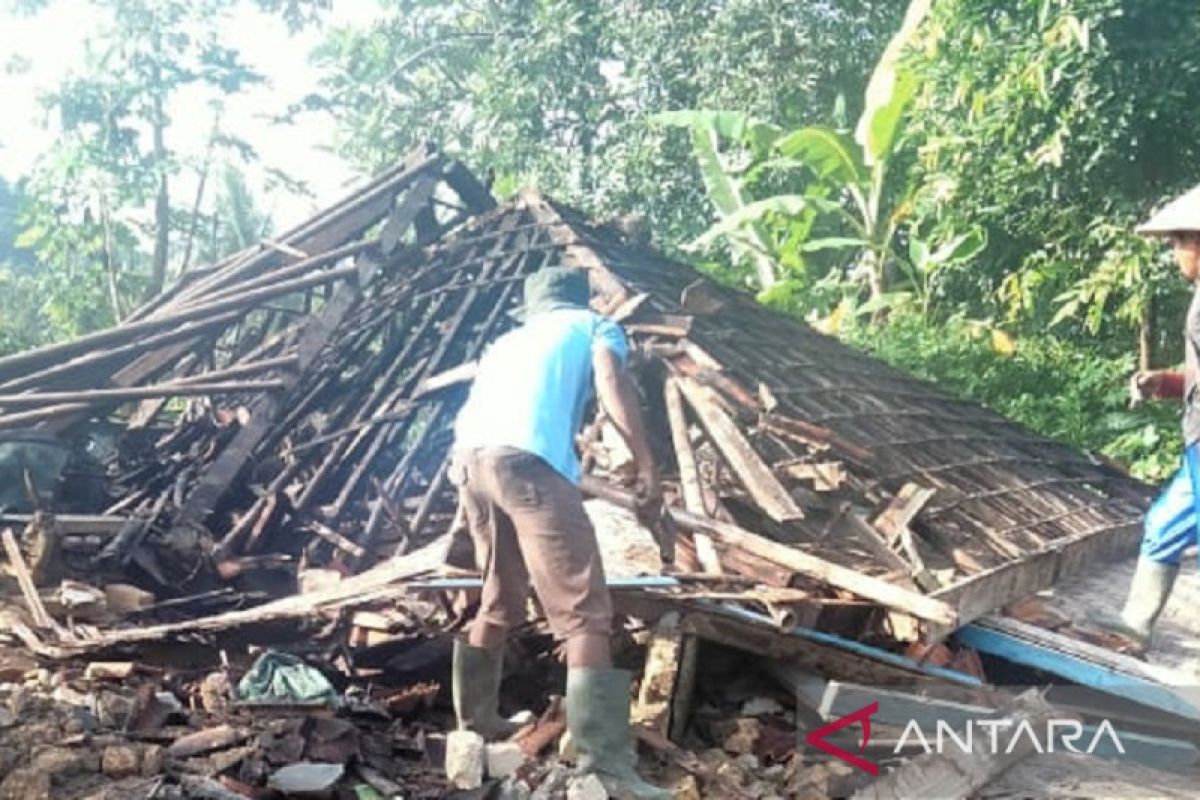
[
  {"x": 724, "y": 186},
  {"x": 855, "y": 168}
]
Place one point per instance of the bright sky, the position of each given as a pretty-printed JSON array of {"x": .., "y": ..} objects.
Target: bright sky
[{"x": 52, "y": 40}]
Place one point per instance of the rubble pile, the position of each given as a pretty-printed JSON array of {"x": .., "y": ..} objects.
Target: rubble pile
[{"x": 254, "y": 466}]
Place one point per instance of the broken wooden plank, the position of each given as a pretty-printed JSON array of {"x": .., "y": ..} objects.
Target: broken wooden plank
[
  {"x": 139, "y": 392},
  {"x": 901, "y": 510},
  {"x": 33, "y": 601},
  {"x": 847, "y": 522},
  {"x": 318, "y": 331},
  {"x": 380, "y": 583},
  {"x": 629, "y": 307},
  {"x": 836, "y": 576},
  {"x": 328, "y": 534},
  {"x": 826, "y": 476},
  {"x": 701, "y": 296},
  {"x": 689, "y": 476},
  {"x": 660, "y": 678},
  {"x": 14, "y": 365},
  {"x": 463, "y": 373},
  {"x": 816, "y": 435},
  {"x": 755, "y": 475},
  {"x": 549, "y": 727},
  {"x": 207, "y": 740},
  {"x": 685, "y": 687}
]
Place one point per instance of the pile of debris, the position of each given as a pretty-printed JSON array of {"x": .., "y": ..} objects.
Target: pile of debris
[{"x": 258, "y": 458}]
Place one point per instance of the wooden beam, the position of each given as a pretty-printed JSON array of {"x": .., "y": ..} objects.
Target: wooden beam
[
  {"x": 834, "y": 575},
  {"x": 755, "y": 475},
  {"x": 378, "y": 584},
  {"x": 886, "y": 594},
  {"x": 689, "y": 476},
  {"x": 316, "y": 334},
  {"x": 819, "y": 651},
  {"x": 73, "y": 524},
  {"x": 656, "y": 693},
  {"x": 224, "y": 470},
  {"x": 178, "y": 389},
  {"x": 894, "y": 523},
  {"x": 901, "y": 511},
  {"x": 345, "y": 221},
  {"x": 37, "y": 611}
]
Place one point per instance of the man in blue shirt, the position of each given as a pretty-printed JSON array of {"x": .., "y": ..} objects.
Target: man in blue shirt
[{"x": 518, "y": 472}]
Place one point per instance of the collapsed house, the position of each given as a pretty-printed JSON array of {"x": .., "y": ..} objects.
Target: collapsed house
[{"x": 258, "y": 457}]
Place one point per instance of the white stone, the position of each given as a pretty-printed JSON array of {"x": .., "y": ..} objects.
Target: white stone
[
  {"x": 566, "y": 747},
  {"x": 761, "y": 706},
  {"x": 587, "y": 787},
  {"x": 69, "y": 697},
  {"x": 551, "y": 783},
  {"x": 748, "y": 762},
  {"x": 306, "y": 777},
  {"x": 465, "y": 759},
  {"x": 514, "y": 790},
  {"x": 503, "y": 759},
  {"x": 522, "y": 718}
]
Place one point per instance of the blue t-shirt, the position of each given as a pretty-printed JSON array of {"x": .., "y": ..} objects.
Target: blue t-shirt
[{"x": 533, "y": 383}]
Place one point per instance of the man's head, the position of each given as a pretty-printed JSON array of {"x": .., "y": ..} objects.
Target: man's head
[
  {"x": 552, "y": 288},
  {"x": 1179, "y": 221},
  {"x": 1187, "y": 253}
]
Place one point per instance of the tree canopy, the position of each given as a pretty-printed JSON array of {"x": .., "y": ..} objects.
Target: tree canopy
[{"x": 953, "y": 185}]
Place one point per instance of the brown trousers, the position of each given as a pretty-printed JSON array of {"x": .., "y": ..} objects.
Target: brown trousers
[{"x": 529, "y": 527}]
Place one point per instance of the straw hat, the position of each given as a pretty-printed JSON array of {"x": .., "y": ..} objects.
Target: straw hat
[{"x": 1181, "y": 214}]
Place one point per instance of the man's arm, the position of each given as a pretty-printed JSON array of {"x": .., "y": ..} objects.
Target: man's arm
[
  {"x": 619, "y": 399},
  {"x": 1157, "y": 385}
]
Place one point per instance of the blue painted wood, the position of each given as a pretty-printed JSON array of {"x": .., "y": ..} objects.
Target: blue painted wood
[
  {"x": 1087, "y": 673},
  {"x": 865, "y": 650}
]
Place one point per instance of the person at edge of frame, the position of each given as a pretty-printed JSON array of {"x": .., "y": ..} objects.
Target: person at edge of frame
[
  {"x": 1173, "y": 522},
  {"x": 518, "y": 474}
]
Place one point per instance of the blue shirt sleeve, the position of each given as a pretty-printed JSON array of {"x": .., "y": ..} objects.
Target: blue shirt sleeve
[{"x": 609, "y": 334}]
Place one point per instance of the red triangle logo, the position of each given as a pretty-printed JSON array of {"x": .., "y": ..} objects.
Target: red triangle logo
[{"x": 816, "y": 738}]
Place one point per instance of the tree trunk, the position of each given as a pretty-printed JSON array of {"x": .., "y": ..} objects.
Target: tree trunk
[
  {"x": 162, "y": 205},
  {"x": 204, "y": 170},
  {"x": 110, "y": 261},
  {"x": 1146, "y": 334},
  {"x": 876, "y": 266}
]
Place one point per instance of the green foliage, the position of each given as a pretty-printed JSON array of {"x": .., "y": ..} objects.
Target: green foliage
[
  {"x": 743, "y": 226},
  {"x": 558, "y": 94},
  {"x": 235, "y": 222},
  {"x": 98, "y": 213},
  {"x": 1068, "y": 391},
  {"x": 855, "y": 170},
  {"x": 1055, "y": 127}
]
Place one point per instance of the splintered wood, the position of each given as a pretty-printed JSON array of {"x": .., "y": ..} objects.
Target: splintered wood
[{"x": 292, "y": 405}]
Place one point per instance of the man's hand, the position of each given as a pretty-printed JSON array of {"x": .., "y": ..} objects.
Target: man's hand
[
  {"x": 1143, "y": 385},
  {"x": 1155, "y": 384},
  {"x": 647, "y": 491}
]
